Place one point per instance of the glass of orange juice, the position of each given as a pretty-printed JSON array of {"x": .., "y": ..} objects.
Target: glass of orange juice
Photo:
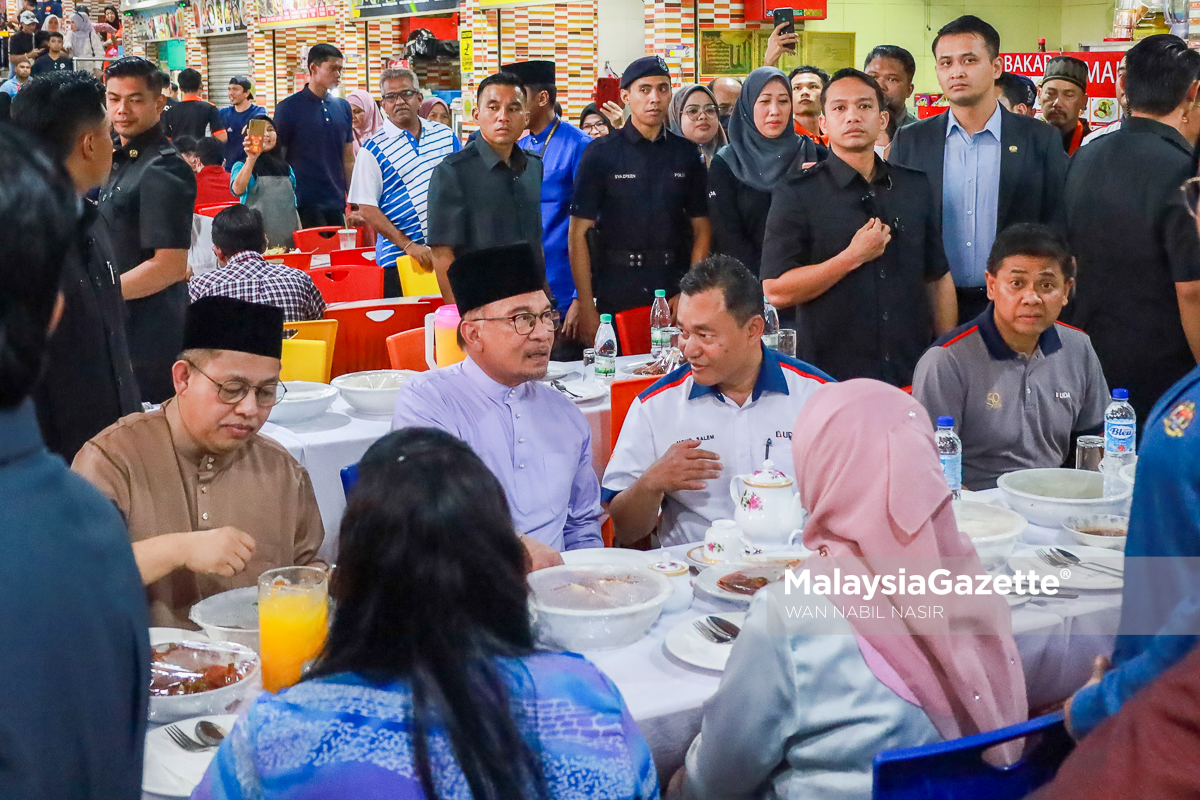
[{"x": 293, "y": 618}]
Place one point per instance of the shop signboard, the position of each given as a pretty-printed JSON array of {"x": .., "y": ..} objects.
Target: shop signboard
[
  {"x": 1102, "y": 106},
  {"x": 294, "y": 13},
  {"x": 499, "y": 3},
  {"x": 220, "y": 16},
  {"x": 400, "y": 8},
  {"x": 161, "y": 24}
]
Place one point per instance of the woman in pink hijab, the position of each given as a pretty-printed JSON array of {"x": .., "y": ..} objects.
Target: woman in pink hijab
[
  {"x": 368, "y": 120},
  {"x": 816, "y": 685}
]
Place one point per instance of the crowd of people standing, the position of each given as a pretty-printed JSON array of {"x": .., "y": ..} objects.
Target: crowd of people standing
[{"x": 928, "y": 268}]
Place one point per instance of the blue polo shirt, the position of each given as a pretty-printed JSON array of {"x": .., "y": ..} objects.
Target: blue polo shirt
[{"x": 312, "y": 134}]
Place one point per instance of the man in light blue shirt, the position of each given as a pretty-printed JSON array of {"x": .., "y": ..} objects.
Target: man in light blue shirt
[
  {"x": 533, "y": 439},
  {"x": 970, "y": 195},
  {"x": 993, "y": 168}
]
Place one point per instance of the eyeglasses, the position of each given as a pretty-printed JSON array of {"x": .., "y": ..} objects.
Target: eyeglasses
[
  {"x": 594, "y": 126},
  {"x": 1191, "y": 195},
  {"x": 696, "y": 112},
  {"x": 524, "y": 323},
  {"x": 403, "y": 94},
  {"x": 232, "y": 392}
]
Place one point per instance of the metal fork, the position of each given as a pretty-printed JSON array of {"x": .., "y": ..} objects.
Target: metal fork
[
  {"x": 562, "y": 388},
  {"x": 712, "y": 634},
  {"x": 184, "y": 741},
  {"x": 1056, "y": 560},
  {"x": 1071, "y": 558}
]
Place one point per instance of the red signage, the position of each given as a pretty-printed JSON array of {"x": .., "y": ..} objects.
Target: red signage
[{"x": 803, "y": 9}]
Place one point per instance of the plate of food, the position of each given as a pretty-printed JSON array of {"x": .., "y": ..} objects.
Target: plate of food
[
  {"x": 190, "y": 677},
  {"x": 171, "y": 771},
  {"x": 738, "y": 582},
  {"x": 689, "y": 646}
]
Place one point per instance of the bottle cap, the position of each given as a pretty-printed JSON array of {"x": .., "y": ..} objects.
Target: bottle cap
[
  {"x": 1120, "y": 394},
  {"x": 606, "y": 317},
  {"x": 660, "y": 292},
  {"x": 945, "y": 422}
]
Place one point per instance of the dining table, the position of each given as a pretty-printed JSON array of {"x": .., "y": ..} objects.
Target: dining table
[{"x": 1058, "y": 639}]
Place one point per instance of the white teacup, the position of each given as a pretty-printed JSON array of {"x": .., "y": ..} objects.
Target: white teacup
[{"x": 724, "y": 541}]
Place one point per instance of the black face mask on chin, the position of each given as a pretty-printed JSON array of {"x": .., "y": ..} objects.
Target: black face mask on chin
[{"x": 725, "y": 123}]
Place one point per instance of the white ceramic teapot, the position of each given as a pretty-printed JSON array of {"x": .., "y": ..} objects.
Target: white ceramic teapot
[{"x": 766, "y": 506}]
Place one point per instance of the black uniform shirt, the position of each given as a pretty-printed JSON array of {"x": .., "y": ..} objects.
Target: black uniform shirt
[
  {"x": 477, "y": 200},
  {"x": 88, "y": 383},
  {"x": 1131, "y": 233},
  {"x": 875, "y": 322},
  {"x": 147, "y": 204}
]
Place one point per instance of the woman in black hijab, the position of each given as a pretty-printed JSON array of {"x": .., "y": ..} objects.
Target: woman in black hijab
[{"x": 762, "y": 149}]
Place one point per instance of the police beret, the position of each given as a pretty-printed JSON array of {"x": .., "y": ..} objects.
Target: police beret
[
  {"x": 225, "y": 323},
  {"x": 494, "y": 273},
  {"x": 645, "y": 67},
  {"x": 532, "y": 73},
  {"x": 1067, "y": 68}
]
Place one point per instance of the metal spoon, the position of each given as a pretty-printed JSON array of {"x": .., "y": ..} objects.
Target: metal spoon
[{"x": 210, "y": 734}]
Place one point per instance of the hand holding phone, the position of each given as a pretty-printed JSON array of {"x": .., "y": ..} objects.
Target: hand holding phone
[
  {"x": 255, "y": 132},
  {"x": 787, "y": 18}
]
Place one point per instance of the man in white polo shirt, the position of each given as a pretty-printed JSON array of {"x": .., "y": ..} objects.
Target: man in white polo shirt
[
  {"x": 728, "y": 409},
  {"x": 390, "y": 184}
]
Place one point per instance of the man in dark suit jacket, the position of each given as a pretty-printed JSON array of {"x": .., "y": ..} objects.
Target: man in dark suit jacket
[{"x": 989, "y": 168}]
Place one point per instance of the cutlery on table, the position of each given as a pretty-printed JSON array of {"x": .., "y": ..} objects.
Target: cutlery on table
[
  {"x": 1071, "y": 558},
  {"x": 557, "y": 384},
  {"x": 1056, "y": 558},
  {"x": 723, "y": 625},
  {"x": 210, "y": 734},
  {"x": 714, "y": 635},
  {"x": 185, "y": 742}
]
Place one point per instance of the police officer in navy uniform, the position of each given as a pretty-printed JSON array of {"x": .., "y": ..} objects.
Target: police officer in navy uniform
[
  {"x": 147, "y": 204},
  {"x": 639, "y": 216}
]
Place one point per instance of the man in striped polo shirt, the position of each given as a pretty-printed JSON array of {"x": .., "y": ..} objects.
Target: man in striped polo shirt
[
  {"x": 1020, "y": 385},
  {"x": 392, "y": 171}
]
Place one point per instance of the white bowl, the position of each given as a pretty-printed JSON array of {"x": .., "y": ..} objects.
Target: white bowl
[
  {"x": 1047, "y": 497},
  {"x": 303, "y": 401},
  {"x": 993, "y": 530},
  {"x": 1126, "y": 472},
  {"x": 606, "y": 555},
  {"x": 164, "y": 709},
  {"x": 598, "y": 620},
  {"x": 1078, "y": 527},
  {"x": 372, "y": 392},
  {"x": 230, "y": 616}
]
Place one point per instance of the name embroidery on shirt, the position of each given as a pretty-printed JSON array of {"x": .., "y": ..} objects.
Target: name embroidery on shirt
[
  {"x": 993, "y": 401},
  {"x": 625, "y": 176},
  {"x": 680, "y": 174},
  {"x": 703, "y": 438}
]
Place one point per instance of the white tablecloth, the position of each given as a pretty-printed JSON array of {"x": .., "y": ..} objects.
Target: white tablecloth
[{"x": 341, "y": 436}]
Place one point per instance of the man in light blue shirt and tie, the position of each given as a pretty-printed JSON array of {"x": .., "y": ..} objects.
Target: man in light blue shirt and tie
[
  {"x": 533, "y": 439},
  {"x": 989, "y": 168}
]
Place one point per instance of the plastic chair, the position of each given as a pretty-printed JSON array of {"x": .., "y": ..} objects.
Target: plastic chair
[
  {"x": 363, "y": 329},
  {"x": 324, "y": 330},
  {"x": 358, "y": 255},
  {"x": 347, "y": 284},
  {"x": 623, "y": 393},
  {"x": 349, "y": 479},
  {"x": 955, "y": 770},
  {"x": 303, "y": 360},
  {"x": 407, "y": 350},
  {"x": 416, "y": 282},
  {"x": 212, "y": 209},
  {"x": 301, "y": 260},
  {"x": 633, "y": 330},
  {"x": 318, "y": 240}
]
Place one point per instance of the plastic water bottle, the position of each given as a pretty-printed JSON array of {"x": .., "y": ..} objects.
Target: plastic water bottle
[
  {"x": 1120, "y": 440},
  {"x": 606, "y": 350},
  {"x": 950, "y": 452},
  {"x": 660, "y": 321},
  {"x": 770, "y": 335}
]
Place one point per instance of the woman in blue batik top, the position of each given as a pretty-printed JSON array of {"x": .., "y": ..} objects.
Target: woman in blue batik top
[{"x": 430, "y": 685}]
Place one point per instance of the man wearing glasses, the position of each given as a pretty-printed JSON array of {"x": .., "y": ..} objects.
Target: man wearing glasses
[
  {"x": 391, "y": 177},
  {"x": 533, "y": 439},
  {"x": 210, "y": 505}
]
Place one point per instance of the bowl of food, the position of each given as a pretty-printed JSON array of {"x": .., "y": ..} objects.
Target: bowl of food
[
  {"x": 303, "y": 401},
  {"x": 595, "y": 606},
  {"x": 372, "y": 392},
  {"x": 230, "y": 616},
  {"x": 1099, "y": 530},
  {"x": 993, "y": 530},
  {"x": 1047, "y": 497},
  {"x": 196, "y": 678}
]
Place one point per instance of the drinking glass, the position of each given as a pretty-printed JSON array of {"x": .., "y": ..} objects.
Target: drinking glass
[
  {"x": 1089, "y": 452},
  {"x": 589, "y": 365},
  {"x": 347, "y": 238},
  {"x": 787, "y": 341},
  {"x": 293, "y": 619}
]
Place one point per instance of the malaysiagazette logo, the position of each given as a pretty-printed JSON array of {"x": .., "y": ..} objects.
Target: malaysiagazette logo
[{"x": 939, "y": 582}]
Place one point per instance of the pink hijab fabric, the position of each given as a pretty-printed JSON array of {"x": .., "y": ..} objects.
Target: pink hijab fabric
[
  {"x": 373, "y": 122},
  {"x": 870, "y": 478}
]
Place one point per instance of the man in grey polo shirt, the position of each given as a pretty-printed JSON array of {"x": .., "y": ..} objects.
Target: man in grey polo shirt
[{"x": 1020, "y": 385}]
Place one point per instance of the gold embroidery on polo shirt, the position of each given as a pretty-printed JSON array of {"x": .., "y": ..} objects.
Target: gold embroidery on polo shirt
[{"x": 993, "y": 401}]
